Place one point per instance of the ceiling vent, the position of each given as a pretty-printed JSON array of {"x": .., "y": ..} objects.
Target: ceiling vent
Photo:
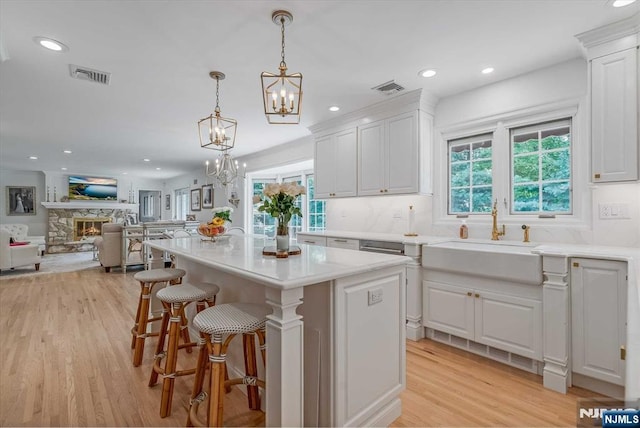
[
  {"x": 388, "y": 88},
  {"x": 85, "y": 73}
]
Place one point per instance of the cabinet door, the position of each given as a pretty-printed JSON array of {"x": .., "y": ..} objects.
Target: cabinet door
[
  {"x": 448, "y": 308},
  {"x": 513, "y": 324},
  {"x": 598, "y": 318},
  {"x": 345, "y": 173},
  {"x": 614, "y": 117},
  {"x": 401, "y": 153},
  {"x": 324, "y": 166},
  {"x": 371, "y": 161}
]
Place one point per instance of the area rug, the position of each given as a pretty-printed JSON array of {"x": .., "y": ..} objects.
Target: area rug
[{"x": 53, "y": 263}]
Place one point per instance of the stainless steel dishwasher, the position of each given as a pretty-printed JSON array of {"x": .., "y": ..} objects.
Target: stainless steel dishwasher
[{"x": 385, "y": 247}]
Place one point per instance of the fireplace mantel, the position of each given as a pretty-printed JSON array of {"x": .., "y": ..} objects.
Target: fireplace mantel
[{"x": 75, "y": 205}]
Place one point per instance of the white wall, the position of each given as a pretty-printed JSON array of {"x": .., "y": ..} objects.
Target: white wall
[
  {"x": 555, "y": 84},
  {"x": 37, "y": 223}
]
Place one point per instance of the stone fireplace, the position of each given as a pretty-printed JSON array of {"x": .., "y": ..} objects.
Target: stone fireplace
[{"x": 74, "y": 229}]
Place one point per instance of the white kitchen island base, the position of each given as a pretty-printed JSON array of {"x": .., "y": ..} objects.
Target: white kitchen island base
[{"x": 336, "y": 337}]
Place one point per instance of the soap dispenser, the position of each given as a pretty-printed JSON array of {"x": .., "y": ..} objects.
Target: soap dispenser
[{"x": 464, "y": 230}]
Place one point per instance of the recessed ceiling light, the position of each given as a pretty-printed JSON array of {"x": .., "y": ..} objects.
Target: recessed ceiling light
[
  {"x": 67, "y": 151},
  {"x": 51, "y": 44},
  {"x": 125, "y": 173},
  {"x": 427, "y": 73},
  {"x": 334, "y": 108},
  {"x": 33, "y": 157},
  {"x": 158, "y": 169},
  {"x": 146, "y": 160},
  {"x": 621, "y": 3},
  {"x": 487, "y": 70},
  {"x": 63, "y": 168}
]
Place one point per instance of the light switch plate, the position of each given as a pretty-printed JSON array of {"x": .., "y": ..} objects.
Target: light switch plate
[{"x": 375, "y": 296}]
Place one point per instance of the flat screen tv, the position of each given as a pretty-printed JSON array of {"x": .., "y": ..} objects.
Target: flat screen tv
[{"x": 93, "y": 188}]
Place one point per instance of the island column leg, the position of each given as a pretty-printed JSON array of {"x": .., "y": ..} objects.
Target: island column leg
[{"x": 285, "y": 369}]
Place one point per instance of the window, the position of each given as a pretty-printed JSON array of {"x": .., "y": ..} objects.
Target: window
[
  {"x": 470, "y": 175},
  {"x": 313, "y": 211},
  {"x": 541, "y": 168},
  {"x": 262, "y": 223},
  {"x": 182, "y": 203},
  {"x": 316, "y": 220}
]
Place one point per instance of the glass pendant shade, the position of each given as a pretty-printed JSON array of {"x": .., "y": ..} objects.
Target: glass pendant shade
[
  {"x": 217, "y": 132},
  {"x": 282, "y": 92}
]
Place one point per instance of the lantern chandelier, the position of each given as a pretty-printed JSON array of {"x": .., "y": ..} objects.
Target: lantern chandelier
[
  {"x": 282, "y": 92},
  {"x": 217, "y": 132},
  {"x": 225, "y": 170}
]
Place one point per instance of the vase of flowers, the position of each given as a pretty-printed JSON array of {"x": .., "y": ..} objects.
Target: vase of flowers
[{"x": 279, "y": 202}]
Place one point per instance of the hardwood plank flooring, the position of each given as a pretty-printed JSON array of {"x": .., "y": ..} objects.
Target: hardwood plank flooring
[{"x": 65, "y": 360}]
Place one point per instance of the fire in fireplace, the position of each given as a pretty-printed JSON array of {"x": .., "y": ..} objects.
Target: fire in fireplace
[{"x": 88, "y": 227}]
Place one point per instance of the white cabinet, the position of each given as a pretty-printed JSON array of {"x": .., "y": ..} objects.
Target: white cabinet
[
  {"x": 598, "y": 318},
  {"x": 302, "y": 238},
  {"x": 349, "y": 244},
  {"x": 510, "y": 323},
  {"x": 388, "y": 156},
  {"x": 614, "y": 116},
  {"x": 335, "y": 165}
]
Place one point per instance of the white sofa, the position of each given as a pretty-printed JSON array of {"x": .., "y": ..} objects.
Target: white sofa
[
  {"x": 20, "y": 232},
  {"x": 16, "y": 256}
]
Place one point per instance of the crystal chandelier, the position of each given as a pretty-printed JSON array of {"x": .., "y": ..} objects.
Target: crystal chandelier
[
  {"x": 282, "y": 92},
  {"x": 225, "y": 169},
  {"x": 217, "y": 132}
]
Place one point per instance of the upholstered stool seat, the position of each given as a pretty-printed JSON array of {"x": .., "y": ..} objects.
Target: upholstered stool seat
[
  {"x": 174, "y": 301},
  {"x": 147, "y": 279},
  {"x": 214, "y": 323}
]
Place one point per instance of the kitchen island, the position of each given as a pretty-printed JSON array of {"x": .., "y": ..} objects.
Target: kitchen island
[{"x": 336, "y": 337}]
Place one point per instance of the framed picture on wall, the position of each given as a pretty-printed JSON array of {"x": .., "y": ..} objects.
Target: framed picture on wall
[
  {"x": 196, "y": 197},
  {"x": 167, "y": 202},
  {"x": 21, "y": 200},
  {"x": 207, "y": 196}
]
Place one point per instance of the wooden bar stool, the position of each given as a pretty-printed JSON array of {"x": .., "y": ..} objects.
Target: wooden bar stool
[
  {"x": 147, "y": 279},
  {"x": 175, "y": 300},
  {"x": 214, "y": 323}
]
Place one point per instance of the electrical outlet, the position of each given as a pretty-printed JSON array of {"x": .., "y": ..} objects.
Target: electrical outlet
[
  {"x": 613, "y": 211},
  {"x": 375, "y": 296}
]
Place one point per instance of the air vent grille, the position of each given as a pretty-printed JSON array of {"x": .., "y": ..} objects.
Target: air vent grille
[
  {"x": 85, "y": 73},
  {"x": 388, "y": 88}
]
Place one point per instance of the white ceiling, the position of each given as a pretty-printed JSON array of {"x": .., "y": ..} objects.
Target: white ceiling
[{"x": 160, "y": 54}]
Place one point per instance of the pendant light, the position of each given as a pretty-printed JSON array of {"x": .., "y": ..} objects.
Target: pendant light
[
  {"x": 282, "y": 92},
  {"x": 217, "y": 132}
]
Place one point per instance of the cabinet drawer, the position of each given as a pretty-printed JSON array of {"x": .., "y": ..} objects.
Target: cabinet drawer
[
  {"x": 349, "y": 244},
  {"x": 312, "y": 240}
]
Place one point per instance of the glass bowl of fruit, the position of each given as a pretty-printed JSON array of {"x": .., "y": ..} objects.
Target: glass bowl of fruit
[{"x": 213, "y": 230}]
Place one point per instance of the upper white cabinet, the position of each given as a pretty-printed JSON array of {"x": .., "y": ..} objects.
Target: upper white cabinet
[
  {"x": 383, "y": 149},
  {"x": 335, "y": 161},
  {"x": 614, "y": 116},
  {"x": 388, "y": 156},
  {"x": 598, "y": 318},
  {"x": 612, "y": 51}
]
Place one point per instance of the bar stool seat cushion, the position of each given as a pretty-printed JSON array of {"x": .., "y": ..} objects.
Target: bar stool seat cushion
[
  {"x": 158, "y": 275},
  {"x": 232, "y": 318},
  {"x": 211, "y": 288},
  {"x": 183, "y": 294}
]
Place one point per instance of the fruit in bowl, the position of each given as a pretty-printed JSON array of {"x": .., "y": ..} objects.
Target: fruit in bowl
[{"x": 213, "y": 228}]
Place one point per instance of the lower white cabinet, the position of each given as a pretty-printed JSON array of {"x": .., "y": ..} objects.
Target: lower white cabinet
[
  {"x": 301, "y": 238},
  {"x": 510, "y": 323},
  {"x": 598, "y": 318},
  {"x": 349, "y": 244}
]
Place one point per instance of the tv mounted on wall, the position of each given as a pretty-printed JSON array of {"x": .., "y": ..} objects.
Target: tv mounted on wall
[{"x": 93, "y": 188}]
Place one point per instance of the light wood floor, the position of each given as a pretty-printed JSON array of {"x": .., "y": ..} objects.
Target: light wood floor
[{"x": 66, "y": 361}]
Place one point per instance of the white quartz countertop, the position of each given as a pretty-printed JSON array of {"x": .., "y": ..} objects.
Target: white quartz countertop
[{"x": 242, "y": 255}]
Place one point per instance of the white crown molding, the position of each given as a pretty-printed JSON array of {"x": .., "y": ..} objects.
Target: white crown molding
[
  {"x": 418, "y": 99},
  {"x": 626, "y": 28},
  {"x": 78, "y": 205}
]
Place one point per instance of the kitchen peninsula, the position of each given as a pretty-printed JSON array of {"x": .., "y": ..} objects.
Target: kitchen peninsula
[{"x": 336, "y": 337}]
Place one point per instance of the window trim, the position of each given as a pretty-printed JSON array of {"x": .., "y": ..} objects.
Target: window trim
[{"x": 500, "y": 125}]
